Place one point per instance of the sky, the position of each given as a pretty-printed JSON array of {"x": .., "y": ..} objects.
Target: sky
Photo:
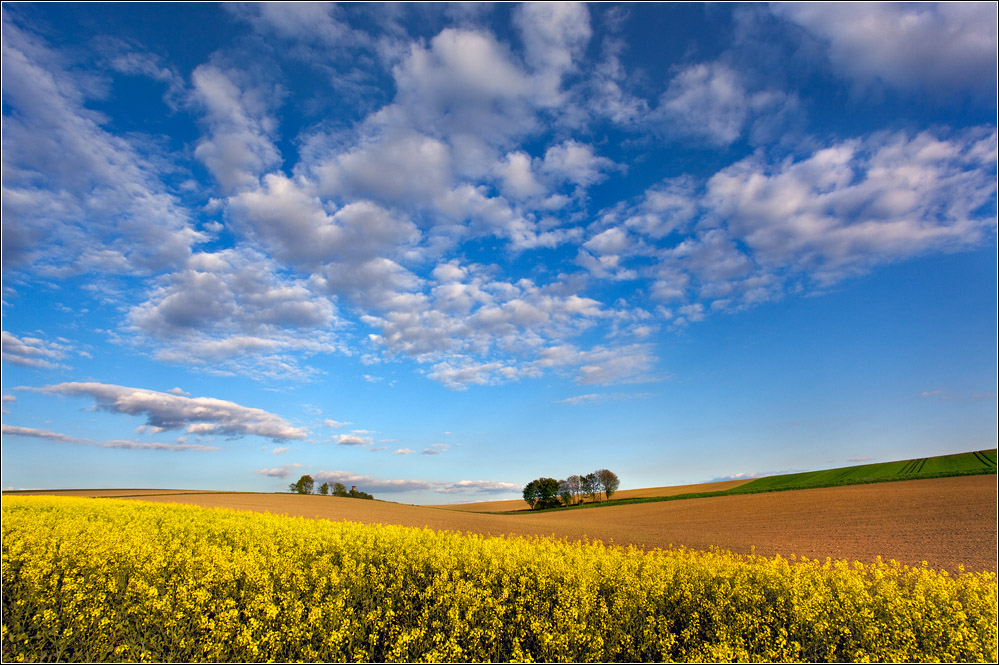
[{"x": 439, "y": 250}]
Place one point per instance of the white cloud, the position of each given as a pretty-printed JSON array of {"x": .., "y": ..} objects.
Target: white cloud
[
  {"x": 199, "y": 415},
  {"x": 436, "y": 449},
  {"x": 399, "y": 167},
  {"x": 603, "y": 92},
  {"x": 518, "y": 178},
  {"x": 353, "y": 252},
  {"x": 627, "y": 364},
  {"x": 555, "y": 35},
  {"x": 279, "y": 451},
  {"x": 943, "y": 47},
  {"x": 238, "y": 150},
  {"x": 353, "y": 440},
  {"x": 233, "y": 309},
  {"x": 602, "y": 365},
  {"x": 576, "y": 162},
  {"x": 711, "y": 102},
  {"x": 280, "y": 471},
  {"x": 300, "y": 21},
  {"x": 335, "y": 424},
  {"x": 861, "y": 202},
  {"x": 33, "y": 352},
  {"x": 403, "y": 451},
  {"x": 467, "y": 87},
  {"x": 476, "y": 330},
  {"x": 76, "y": 198},
  {"x": 9, "y": 430},
  {"x": 665, "y": 208}
]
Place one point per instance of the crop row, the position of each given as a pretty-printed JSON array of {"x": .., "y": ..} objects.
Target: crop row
[{"x": 111, "y": 580}]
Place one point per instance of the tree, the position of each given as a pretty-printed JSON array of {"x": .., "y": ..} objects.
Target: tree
[
  {"x": 339, "y": 489},
  {"x": 588, "y": 486},
  {"x": 303, "y": 485},
  {"x": 575, "y": 487},
  {"x": 547, "y": 493},
  {"x": 608, "y": 481},
  {"x": 532, "y": 493},
  {"x": 324, "y": 489},
  {"x": 565, "y": 492}
]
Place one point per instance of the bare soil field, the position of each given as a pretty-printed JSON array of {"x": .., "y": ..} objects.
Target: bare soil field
[
  {"x": 520, "y": 504},
  {"x": 942, "y": 521}
]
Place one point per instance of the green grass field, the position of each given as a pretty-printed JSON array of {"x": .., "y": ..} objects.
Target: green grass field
[
  {"x": 982, "y": 461},
  {"x": 961, "y": 464}
]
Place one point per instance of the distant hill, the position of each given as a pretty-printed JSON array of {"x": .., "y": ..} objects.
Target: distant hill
[{"x": 961, "y": 464}]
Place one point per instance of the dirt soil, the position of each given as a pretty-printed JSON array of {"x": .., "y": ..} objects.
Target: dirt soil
[{"x": 942, "y": 521}]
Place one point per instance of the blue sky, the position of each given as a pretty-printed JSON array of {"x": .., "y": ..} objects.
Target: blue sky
[{"x": 437, "y": 251}]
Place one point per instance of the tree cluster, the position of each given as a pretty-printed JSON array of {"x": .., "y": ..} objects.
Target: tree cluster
[
  {"x": 305, "y": 485},
  {"x": 551, "y": 493}
]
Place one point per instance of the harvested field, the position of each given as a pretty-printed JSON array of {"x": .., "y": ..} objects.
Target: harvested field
[
  {"x": 520, "y": 504},
  {"x": 943, "y": 521}
]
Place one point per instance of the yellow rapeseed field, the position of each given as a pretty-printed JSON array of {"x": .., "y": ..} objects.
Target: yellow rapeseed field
[{"x": 112, "y": 580}]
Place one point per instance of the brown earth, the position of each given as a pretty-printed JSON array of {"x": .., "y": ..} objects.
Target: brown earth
[
  {"x": 520, "y": 504},
  {"x": 942, "y": 521}
]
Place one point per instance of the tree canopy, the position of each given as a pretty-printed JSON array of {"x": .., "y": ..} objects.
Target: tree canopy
[
  {"x": 550, "y": 493},
  {"x": 303, "y": 485}
]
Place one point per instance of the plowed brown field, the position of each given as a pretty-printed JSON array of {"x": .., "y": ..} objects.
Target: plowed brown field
[{"x": 943, "y": 521}]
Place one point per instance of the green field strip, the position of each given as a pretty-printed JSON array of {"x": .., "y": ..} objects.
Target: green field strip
[{"x": 986, "y": 462}]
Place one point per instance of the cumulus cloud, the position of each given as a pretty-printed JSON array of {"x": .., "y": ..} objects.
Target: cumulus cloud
[
  {"x": 555, "y": 34},
  {"x": 297, "y": 21},
  {"x": 465, "y": 86},
  {"x": 710, "y": 101},
  {"x": 282, "y": 471},
  {"x": 759, "y": 230},
  {"x": 75, "y": 197},
  {"x": 403, "y": 451},
  {"x": 234, "y": 308},
  {"x": 10, "y": 430},
  {"x": 576, "y": 162},
  {"x": 33, "y": 352},
  {"x": 476, "y": 330},
  {"x": 197, "y": 415},
  {"x": 861, "y": 202},
  {"x": 353, "y": 440},
  {"x": 238, "y": 149},
  {"x": 888, "y": 42}
]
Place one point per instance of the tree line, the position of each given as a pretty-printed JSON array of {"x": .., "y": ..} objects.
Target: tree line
[
  {"x": 551, "y": 493},
  {"x": 305, "y": 485}
]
